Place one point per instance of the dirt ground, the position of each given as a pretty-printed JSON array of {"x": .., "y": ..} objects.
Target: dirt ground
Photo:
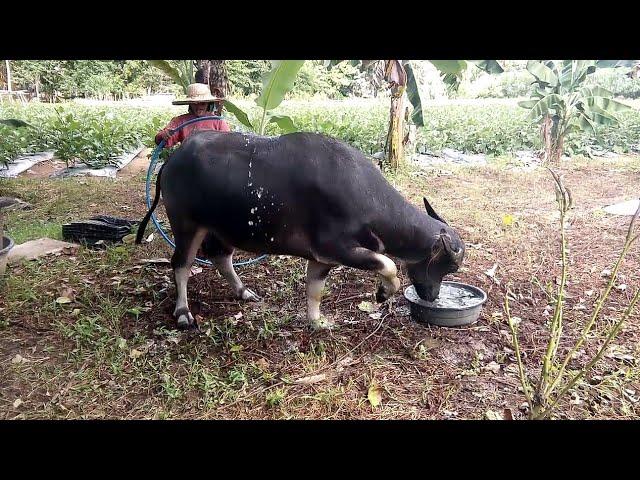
[
  {"x": 48, "y": 167},
  {"x": 112, "y": 351},
  {"x": 138, "y": 165}
]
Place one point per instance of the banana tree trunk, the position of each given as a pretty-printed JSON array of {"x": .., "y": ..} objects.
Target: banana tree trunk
[
  {"x": 395, "y": 136},
  {"x": 553, "y": 141}
]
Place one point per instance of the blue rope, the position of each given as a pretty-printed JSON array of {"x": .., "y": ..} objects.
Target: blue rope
[{"x": 154, "y": 159}]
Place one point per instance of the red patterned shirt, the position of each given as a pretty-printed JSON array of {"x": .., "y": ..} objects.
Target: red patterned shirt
[{"x": 182, "y": 134}]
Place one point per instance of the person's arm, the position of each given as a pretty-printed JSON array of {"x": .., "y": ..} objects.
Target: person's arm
[
  {"x": 165, "y": 134},
  {"x": 161, "y": 135}
]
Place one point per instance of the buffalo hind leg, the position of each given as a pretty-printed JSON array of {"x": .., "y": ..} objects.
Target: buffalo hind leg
[
  {"x": 365, "y": 259},
  {"x": 316, "y": 275},
  {"x": 224, "y": 264},
  {"x": 222, "y": 257},
  {"x": 187, "y": 243}
]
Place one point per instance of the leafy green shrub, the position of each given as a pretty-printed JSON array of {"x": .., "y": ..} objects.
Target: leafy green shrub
[
  {"x": 512, "y": 84},
  {"x": 96, "y": 134},
  {"x": 15, "y": 142},
  {"x": 616, "y": 81},
  {"x": 489, "y": 129},
  {"x": 91, "y": 135}
]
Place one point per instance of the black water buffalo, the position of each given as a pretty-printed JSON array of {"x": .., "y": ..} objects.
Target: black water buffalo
[{"x": 300, "y": 194}]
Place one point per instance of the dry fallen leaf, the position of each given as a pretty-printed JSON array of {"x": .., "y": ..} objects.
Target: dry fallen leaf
[
  {"x": 367, "y": 307},
  {"x": 516, "y": 321},
  {"x": 492, "y": 415},
  {"x": 156, "y": 261},
  {"x": 492, "y": 367},
  {"x": 18, "y": 359},
  {"x": 374, "y": 395},
  {"x": 63, "y": 300},
  {"x": 263, "y": 363},
  {"x": 17, "y": 403},
  {"x": 135, "y": 353},
  {"x": 492, "y": 271},
  {"x": 311, "y": 379},
  {"x": 129, "y": 239},
  {"x": 345, "y": 362}
]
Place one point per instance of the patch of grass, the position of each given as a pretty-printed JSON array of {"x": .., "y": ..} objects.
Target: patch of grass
[
  {"x": 329, "y": 397},
  {"x": 22, "y": 231},
  {"x": 237, "y": 367},
  {"x": 86, "y": 332},
  {"x": 171, "y": 387},
  {"x": 237, "y": 376},
  {"x": 275, "y": 397}
]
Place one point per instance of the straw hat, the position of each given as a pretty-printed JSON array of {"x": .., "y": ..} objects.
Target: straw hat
[{"x": 197, "y": 93}]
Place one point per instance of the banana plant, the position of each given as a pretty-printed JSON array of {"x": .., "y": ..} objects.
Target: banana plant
[
  {"x": 401, "y": 79},
  {"x": 182, "y": 73},
  {"x": 562, "y": 104},
  {"x": 275, "y": 85}
]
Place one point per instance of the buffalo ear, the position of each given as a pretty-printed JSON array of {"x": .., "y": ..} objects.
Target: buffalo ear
[{"x": 432, "y": 213}]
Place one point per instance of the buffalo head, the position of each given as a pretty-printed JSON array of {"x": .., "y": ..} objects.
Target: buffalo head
[{"x": 443, "y": 257}]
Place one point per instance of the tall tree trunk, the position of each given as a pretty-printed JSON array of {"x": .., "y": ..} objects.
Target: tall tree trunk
[
  {"x": 6, "y": 62},
  {"x": 213, "y": 73},
  {"x": 202, "y": 71}
]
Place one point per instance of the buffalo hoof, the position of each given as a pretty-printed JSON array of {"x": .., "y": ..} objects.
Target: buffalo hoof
[
  {"x": 322, "y": 323},
  {"x": 185, "y": 320},
  {"x": 249, "y": 295},
  {"x": 383, "y": 294},
  {"x": 385, "y": 291}
]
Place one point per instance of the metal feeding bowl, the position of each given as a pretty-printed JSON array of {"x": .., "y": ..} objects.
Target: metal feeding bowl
[{"x": 457, "y": 304}]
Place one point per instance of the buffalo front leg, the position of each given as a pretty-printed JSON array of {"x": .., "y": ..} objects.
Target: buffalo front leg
[
  {"x": 187, "y": 243},
  {"x": 365, "y": 259},
  {"x": 316, "y": 275}
]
